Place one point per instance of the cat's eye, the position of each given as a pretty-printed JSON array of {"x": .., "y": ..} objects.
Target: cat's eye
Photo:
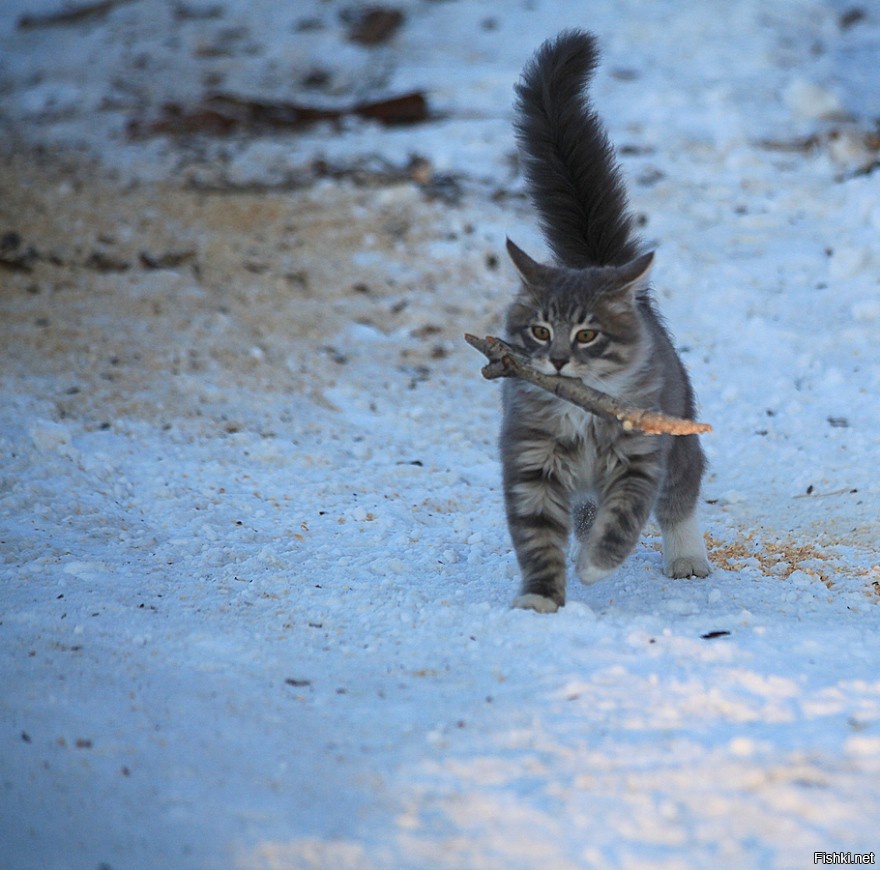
[
  {"x": 586, "y": 336},
  {"x": 541, "y": 333}
]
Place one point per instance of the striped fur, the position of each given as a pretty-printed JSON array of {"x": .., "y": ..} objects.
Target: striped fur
[{"x": 590, "y": 316}]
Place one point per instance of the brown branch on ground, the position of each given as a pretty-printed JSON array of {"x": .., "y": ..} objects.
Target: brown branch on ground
[
  {"x": 507, "y": 362},
  {"x": 69, "y": 14},
  {"x": 225, "y": 114}
]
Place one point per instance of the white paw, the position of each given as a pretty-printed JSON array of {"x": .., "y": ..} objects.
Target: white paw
[
  {"x": 684, "y": 550},
  {"x": 688, "y": 566},
  {"x": 538, "y": 603},
  {"x": 588, "y": 573}
]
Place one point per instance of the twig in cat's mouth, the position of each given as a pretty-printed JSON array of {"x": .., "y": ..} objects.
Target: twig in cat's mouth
[{"x": 506, "y": 361}]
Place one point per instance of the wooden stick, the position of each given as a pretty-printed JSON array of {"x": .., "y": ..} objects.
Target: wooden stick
[{"x": 507, "y": 362}]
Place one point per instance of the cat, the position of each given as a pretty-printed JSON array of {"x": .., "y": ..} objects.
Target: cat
[{"x": 589, "y": 315}]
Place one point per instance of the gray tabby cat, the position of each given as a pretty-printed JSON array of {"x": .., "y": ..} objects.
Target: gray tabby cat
[{"x": 588, "y": 316}]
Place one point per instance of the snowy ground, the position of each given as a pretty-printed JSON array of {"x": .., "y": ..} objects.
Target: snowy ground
[{"x": 255, "y": 573}]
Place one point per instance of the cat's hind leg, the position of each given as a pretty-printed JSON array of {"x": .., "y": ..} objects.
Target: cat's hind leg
[{"x": 684, "y": 549}]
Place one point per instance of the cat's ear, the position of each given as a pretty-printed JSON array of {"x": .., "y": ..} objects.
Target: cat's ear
[
  {"x": 533, "y": 274},
  {"x": 627, "y": 282},
  {"x": 634, "y": 274}
]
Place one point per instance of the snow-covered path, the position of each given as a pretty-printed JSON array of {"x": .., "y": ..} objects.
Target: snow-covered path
[{"x": 255, "y": 572}]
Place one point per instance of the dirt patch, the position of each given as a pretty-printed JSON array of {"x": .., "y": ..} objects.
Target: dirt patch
[{"x": 138, "y": 300}]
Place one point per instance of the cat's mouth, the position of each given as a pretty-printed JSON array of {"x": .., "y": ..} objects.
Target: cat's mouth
[
  {"x": 549, "y": 368},
  {"x": 571, "y": 372}
]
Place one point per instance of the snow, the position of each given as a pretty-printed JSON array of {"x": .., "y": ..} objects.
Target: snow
[{"x": 255, "y": 571}]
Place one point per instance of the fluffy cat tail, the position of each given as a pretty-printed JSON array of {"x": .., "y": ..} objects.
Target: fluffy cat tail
[{"x": 570, "y": 168}]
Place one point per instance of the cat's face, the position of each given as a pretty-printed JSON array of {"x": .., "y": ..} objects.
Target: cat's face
[{"x": 580, "y": 323}]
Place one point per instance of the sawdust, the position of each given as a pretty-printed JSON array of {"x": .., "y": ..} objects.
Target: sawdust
[{"x": 782, "y": 558}]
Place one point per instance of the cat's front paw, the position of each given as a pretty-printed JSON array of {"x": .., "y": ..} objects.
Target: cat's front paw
[
  {"x": 687, "y": 566},
  {"x": 588, "y": 573},
  {"x": 538, "y": 603}
]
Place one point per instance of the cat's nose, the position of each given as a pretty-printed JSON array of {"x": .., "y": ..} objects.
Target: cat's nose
[{"x": 559, "y": 364}]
